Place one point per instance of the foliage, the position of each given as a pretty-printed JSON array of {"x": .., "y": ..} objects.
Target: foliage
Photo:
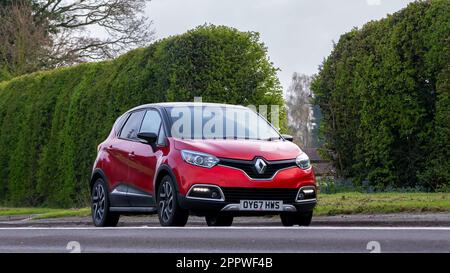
[
  {"x": 51, "y": 122},
  {"x": 44, "y": 34},
  {"x": 384, "y": 96},
  {"x": 298, "y": 103}
]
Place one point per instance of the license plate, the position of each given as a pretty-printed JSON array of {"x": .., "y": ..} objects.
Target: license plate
[{"x": 261, "y": 205}]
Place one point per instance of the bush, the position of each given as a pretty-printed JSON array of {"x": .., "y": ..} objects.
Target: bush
[
  {"x": 384, "y": 96},
  {"x": 51, "y": 122}
]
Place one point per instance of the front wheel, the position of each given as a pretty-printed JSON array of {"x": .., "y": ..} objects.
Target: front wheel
[
  {"x": 219, "y": 220},
  {"x": 169, "y": 211},
  {"x": 301, "y": 219},
  {"x": 101, "y": 216}
]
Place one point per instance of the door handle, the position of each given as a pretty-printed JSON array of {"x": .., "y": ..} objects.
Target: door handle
[{"x": 131, "y": 155}]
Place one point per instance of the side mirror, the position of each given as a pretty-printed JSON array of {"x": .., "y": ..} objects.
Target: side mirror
[
  {"x": 149, "y": 138},
  {"x": 288, "y": 137}
]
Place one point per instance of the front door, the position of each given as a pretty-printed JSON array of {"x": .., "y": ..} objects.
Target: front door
[{"x": 144, "y": 161}]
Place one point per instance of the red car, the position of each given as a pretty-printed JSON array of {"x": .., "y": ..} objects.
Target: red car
[{"x": 211, "y": 160}]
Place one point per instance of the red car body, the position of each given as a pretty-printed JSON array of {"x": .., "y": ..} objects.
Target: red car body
[{"x": 132, "y": 171}]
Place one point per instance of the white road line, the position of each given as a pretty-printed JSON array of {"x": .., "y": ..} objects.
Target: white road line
[{"x": 225, "y": 228}]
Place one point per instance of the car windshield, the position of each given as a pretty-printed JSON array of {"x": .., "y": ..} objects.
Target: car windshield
[{"x": 214, "y": 122}]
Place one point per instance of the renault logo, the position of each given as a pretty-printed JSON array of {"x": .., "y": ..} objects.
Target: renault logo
[{"x": 260, "y": 166}]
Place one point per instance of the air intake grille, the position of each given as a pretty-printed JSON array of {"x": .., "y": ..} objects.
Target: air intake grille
[
  {"x": 248, "y": 166},
  {"x": 234, "y": 195}
]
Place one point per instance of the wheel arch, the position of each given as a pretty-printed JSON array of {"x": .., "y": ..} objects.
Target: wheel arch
[
  {"x": 96, "y": 174},
  {"x": 163, "y": 171}
]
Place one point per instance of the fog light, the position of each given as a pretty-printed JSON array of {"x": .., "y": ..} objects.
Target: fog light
[
  {"x": 199, "y": 189},
  {"x": 306, "y": 193},
  {"x": 209, "y": 192}
]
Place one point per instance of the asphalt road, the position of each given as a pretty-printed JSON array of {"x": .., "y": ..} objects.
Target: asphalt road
[{"x": 232, "y": 240}]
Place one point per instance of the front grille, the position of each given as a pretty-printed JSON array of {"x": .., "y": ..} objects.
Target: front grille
[
  {"x": 248, "y": 166},
  {"x": 234, "y": 195}
]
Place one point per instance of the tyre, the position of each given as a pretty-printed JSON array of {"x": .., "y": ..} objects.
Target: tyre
[
  {"x": 301, "y": 219},
  {"x": 304, "y": 219},
  {"x": 288, "y": 220},
  {"x": 219, "y": 220},
  {"x": 101, "y": 216},
  {"x": 169, "y": 211}
]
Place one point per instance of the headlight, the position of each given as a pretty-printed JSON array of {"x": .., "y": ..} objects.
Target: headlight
[
  {"x": 303, "y": 161},
  {"x": 199, "y": 159}
]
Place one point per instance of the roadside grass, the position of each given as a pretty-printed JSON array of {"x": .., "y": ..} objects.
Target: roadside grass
[
  {"x": 43, "y": 213},
  {"x": 381, "y": 203},
  {"x": 328, "y": 204}
]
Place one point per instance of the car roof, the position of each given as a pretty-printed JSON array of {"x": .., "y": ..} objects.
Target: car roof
[{"x": 186, "y": 104}]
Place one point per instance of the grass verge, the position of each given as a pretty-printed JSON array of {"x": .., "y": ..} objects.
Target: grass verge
[
  {"x": 381, "y": 203},
  {"x": 42, "y": 213},
  {"x": 328, "y": 204}
]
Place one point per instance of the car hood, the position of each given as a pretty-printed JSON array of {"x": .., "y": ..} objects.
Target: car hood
[{"x": 241, "y": 149}]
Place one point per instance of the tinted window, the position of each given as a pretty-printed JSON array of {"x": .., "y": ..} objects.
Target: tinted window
[
  {"x": 216, "y": 122},
  {"x": 132, "y": 125},
  {"x": 151, "y": 123},
  {"x": 161, "y": 136},
  {"x": 119, "y": 123}
]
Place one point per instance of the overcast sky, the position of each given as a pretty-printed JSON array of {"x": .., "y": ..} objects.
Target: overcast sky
[{"x": 298, "y": 33}]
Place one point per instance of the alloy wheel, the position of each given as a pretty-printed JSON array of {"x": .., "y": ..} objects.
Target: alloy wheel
[
  {"x": 98, "y": 203},
  {"x": 166, "y": 201}
]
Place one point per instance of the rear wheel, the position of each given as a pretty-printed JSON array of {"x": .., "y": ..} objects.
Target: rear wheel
[
  {"x": 301, "y": 219},
  {"x": 101, "y": 215},
  {"x": 219, "y": 220},
  {"x": 169, "y": 211}
]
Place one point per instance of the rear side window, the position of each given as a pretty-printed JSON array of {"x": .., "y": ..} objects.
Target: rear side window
[
  {"x": 131, "y": 128},
  {"x": 119, "y": 123}
]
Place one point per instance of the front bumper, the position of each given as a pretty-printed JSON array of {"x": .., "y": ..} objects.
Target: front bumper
[{"x": 230, "y": 205}]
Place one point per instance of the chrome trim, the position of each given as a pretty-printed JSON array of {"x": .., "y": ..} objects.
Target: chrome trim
[
  {"x": 310, "y": 188},
  {"x": 259, "y": 179},
  {"x": 209, "y": 199},
  {"x": 119, "y": 192},
  {"x": 312, "y": 200},
  {"x": 235, "y": 207},
  {"x": 116, "y": 191},
  {"x": 139, "y": 194},
  {"x": 132, "y": 209}
]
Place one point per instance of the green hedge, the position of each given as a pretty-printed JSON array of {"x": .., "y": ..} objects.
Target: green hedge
[
  {"x": 384, "y": 95},
  {"x": 51, "y": 122}
]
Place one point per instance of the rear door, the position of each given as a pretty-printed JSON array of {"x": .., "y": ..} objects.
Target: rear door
[{"x": 143, "y": 168}]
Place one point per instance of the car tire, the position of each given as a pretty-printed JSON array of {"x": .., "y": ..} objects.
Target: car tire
[
  {"x": 304, "y": 219},
  {"x": 170, "y": 213},
  {"x": 301, "y": 219},
  {"x": 101, "y": 216},
  {"x": 219, "y": 220},
  {"x": 288, "y": 220}
]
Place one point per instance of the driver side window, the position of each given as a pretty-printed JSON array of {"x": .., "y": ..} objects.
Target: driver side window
[{"x": 153, "y": 124}]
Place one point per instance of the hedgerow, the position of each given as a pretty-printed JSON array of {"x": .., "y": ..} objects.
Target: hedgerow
[
  {"x": 52, "y": 121},
  {"x": 384, "y": 96}
]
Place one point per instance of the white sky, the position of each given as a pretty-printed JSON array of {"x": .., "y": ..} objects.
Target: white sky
[{"x": 298, "y": 33}]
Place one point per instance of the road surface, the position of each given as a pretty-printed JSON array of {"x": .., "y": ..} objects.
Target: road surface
[{"x": 227, "y": 239}]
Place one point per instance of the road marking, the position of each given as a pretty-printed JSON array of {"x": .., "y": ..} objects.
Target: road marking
[{"x": 225, "y": 228}]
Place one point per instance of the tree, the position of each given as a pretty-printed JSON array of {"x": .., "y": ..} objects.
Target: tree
[
  {"x": 298, "y": 103},
  {"x": 52, "y": 121},
  {"x": 66, "y": 25},
  {"x": 383, "y": 92},
  {"x": 24, "y": 44}
]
